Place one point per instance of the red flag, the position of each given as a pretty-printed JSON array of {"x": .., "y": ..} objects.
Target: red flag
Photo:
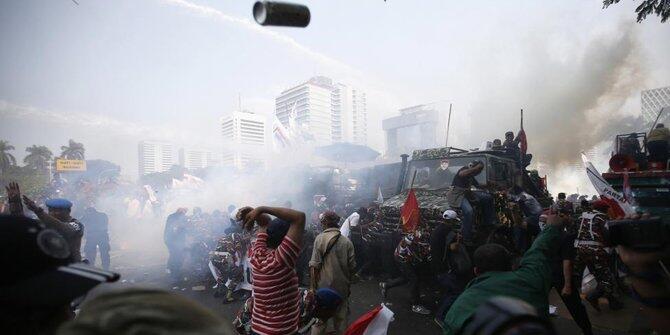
[
  {"x": 409, "y": 213},
  {"x": 523, "y": 141},
  {"x": 615, "y": 211}
]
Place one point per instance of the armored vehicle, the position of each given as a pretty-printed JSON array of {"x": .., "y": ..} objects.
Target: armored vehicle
[{"x": 431, "y": 171}]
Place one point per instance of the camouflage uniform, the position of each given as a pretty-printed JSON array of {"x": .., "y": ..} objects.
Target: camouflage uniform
[
  {"x": 591, "y": 252},
  {"x": 412, "y": 252},
  {"x": 227, "y": 259},
  {"x": 414, "y": 248}
]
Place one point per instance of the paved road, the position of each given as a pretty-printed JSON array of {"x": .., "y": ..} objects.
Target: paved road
[{"x": 365, "y": 296}]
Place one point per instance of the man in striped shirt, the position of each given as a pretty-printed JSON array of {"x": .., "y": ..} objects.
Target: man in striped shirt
[{"x": 273, "y": 256}]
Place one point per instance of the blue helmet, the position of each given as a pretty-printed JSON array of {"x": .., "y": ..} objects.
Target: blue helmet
[{"x": 59, "y": 203}]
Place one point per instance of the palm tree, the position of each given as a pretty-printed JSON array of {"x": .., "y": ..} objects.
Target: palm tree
[
  {"x": 73, "y": 150},
  {"x": 6, "y": 159},
  {"x": 38, "y": 157}
]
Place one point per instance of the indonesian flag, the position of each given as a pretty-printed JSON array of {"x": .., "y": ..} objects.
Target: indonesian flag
[
  {"x": 409, "y": 213},
  {"x": 615, "y": 199},
  {"x": 374, "y": 322}
]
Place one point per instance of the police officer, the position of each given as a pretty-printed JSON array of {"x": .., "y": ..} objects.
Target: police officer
[
  {"x": 591, "y": 253},
  {"x": 57, "y": 218},
  {"x": 97, "y": 236}
]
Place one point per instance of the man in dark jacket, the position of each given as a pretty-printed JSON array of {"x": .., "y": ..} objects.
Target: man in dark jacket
[
  {"x": 97, "y": 236},
  {"x": 450, "y": 263},
  {"x": 175, "y": 240}
]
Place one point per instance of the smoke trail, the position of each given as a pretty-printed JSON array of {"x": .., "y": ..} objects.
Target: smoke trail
[{"x": 571, "y": 104}]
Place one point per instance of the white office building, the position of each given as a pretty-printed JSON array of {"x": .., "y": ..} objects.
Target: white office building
[
  {"x": 329, "y": 112},
  {"x": 155, "y": 156},
  {"x": 193, "y": 159},
  {"x": 244, "y": 139},
  {"x": 652, "y": 101}
]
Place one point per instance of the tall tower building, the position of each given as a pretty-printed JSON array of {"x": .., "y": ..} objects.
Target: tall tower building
[
  {"x": 328, "y": 111},
  {"x": 155, "y": 156},
  {"x": 417, "y": 127},
  {"x": 245, "y": 137},
  {"x": 652, "y": 101}
]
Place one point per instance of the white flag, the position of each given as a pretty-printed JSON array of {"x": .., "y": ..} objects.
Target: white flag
[
  {"x": 604, "y": 188},
  {"x": 380, "y": 197}
]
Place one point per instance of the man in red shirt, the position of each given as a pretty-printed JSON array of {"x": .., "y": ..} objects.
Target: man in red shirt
[{"x": 273, "y": 257}]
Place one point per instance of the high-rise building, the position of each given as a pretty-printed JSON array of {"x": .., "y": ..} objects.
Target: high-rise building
[
  {"x": 417, "y": 127},
  {"x": 155, "y": 156},
  {"x": 652, "y": 101},
  {"x": 245, "y": 138},
  {"x": 328, "y": 111},
  {"x": 193, "y": 159}
]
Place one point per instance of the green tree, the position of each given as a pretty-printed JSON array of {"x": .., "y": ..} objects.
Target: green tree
[
  {"x": 73, "y": 150},
  {"x": 7, "y": 160},
  {"x": 38, "y": 157},
  {"x": 659, "y": 7}
]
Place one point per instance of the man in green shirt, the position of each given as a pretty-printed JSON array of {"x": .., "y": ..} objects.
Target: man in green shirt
[{"x": 531, "y": 282}]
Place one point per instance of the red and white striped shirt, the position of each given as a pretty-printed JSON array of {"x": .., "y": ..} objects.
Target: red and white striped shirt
[{"x": 276, "y": 309}]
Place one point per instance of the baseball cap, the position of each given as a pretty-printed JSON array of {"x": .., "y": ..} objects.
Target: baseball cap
[
  {"x": 36, "y": 268},
  {"x": 328, "y": 298},
  {"x": 450, "y": 215}
]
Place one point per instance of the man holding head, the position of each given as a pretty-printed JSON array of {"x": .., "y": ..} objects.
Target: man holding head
[{"x": 273, "y": 257}]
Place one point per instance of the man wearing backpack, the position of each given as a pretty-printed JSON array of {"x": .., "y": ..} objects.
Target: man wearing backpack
[{"x": 332, "y": 266}]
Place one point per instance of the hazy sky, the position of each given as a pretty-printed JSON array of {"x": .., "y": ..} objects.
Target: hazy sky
[{"x": 110, "y": 73}]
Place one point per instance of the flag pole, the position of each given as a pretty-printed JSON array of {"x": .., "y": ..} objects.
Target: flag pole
[
  {"x": 446, "y": 142},
  {"x": 521, "y": 118}
]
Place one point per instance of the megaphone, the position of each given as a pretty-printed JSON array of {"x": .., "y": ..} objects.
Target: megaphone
[{"x": 621, "y": 163}]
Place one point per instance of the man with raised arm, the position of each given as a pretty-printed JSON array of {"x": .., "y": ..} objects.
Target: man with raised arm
[
  {"x": 58, "y": 218},
  {"x": 273, "y": 257}
]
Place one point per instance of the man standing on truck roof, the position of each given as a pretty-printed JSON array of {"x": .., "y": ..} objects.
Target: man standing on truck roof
[{"x": 460, "y": 196}]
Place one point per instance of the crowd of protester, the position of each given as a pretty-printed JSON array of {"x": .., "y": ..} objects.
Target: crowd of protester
[{"x": 283, "y": 247}]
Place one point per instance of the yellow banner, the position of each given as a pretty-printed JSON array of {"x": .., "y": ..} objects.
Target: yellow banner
[{"x": 63, "y": 165}]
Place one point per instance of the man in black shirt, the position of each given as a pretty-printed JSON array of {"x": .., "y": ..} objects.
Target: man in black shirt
[
  {"x": 566, "y": 283},
  {"x": 458, "y": 195}
]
